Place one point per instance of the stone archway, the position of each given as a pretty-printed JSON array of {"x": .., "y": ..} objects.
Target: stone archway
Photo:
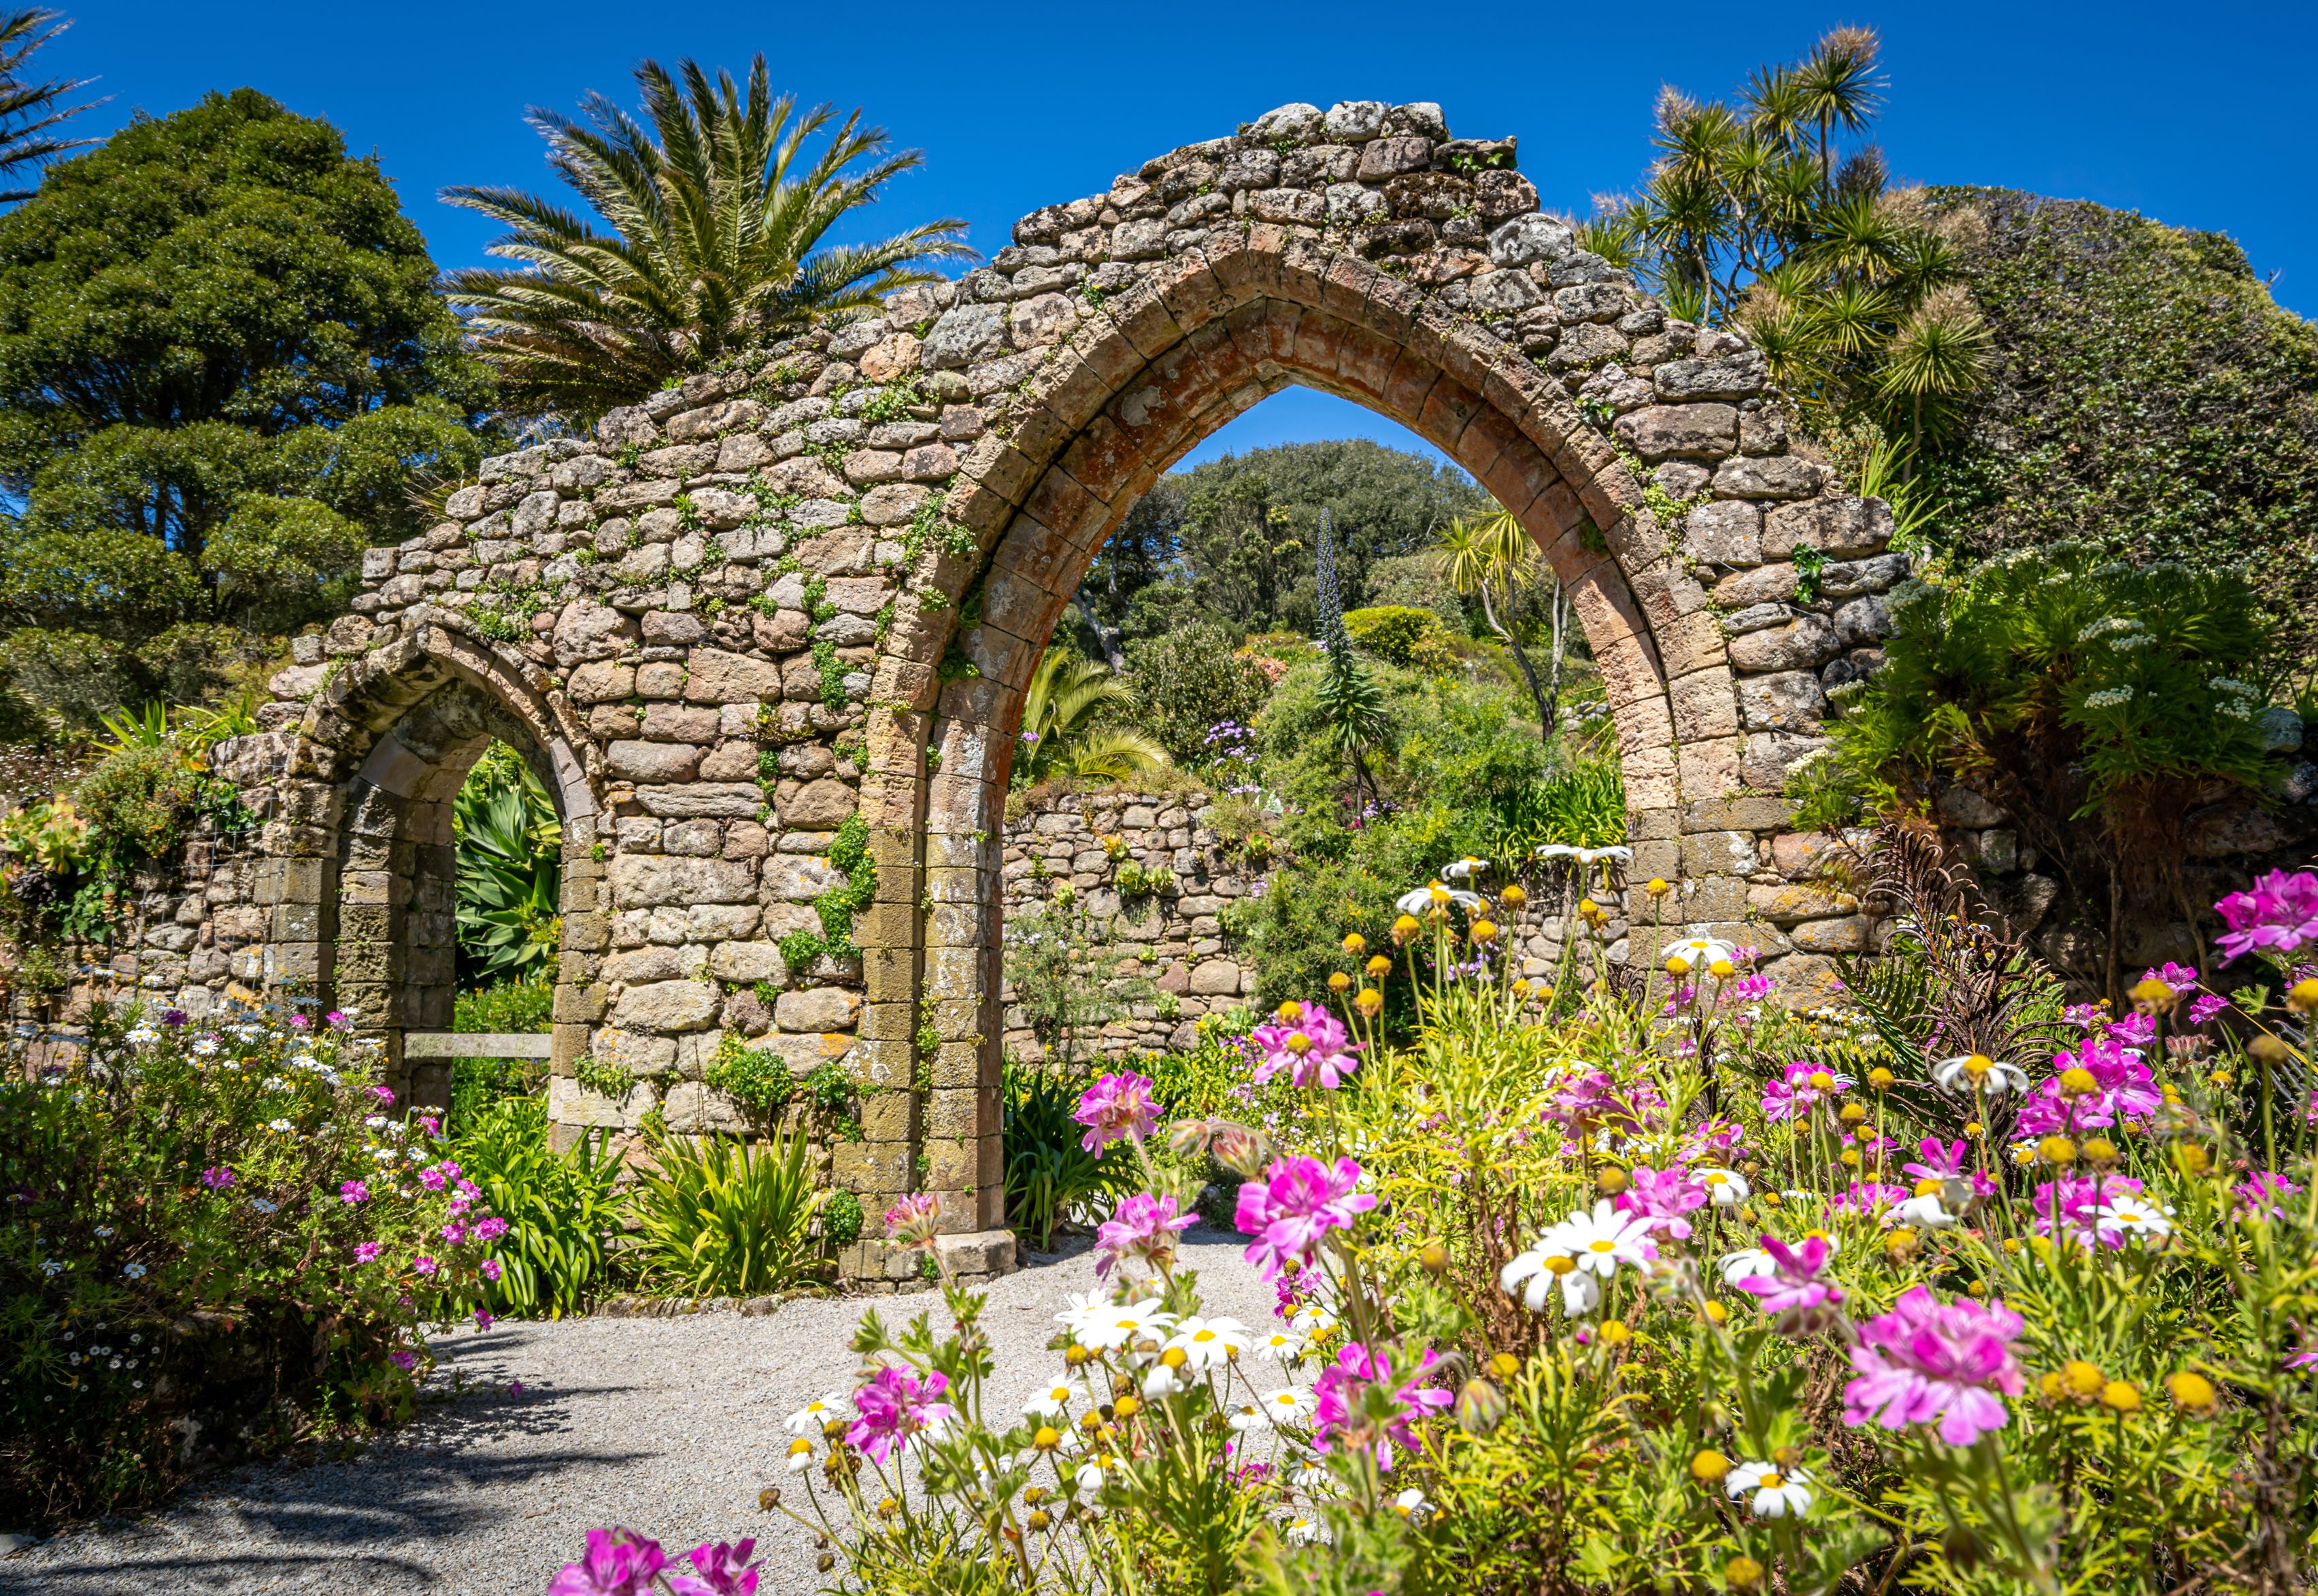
[
  {"x": 374, "y": 768},
  {"x": 729, "y": 622}
]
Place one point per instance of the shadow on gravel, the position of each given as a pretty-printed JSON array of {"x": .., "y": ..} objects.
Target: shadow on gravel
[{"x": 327, "y": 1525}]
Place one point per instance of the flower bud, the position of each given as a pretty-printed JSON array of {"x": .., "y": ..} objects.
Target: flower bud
[
  {"x": 2082, "y": 1380},
  {"x": 1338, "y": 982},
  {"x": 825, "y": 1562},
  {"x": 1899, "y": 1243},
  {"x": 2057, "y": 1150},
  {"x": 1355, "y": 944},
  {"x": 1853, "y": 1114},
  {"x": 1613, "y": 1332},
  {"x": 2192, "y": 1394},
  {"x": 1677, "y": 966},
  {"x": 1505, "y": 1366},
  {"x": 1047, "y": 1438},
  {"x": 1074, "y": 1355},
  {"x": 1189, "y": 1138},
  {"x": 1657, "y": 887},
  {"x": 1742, "y": 1574},
  {"x": 1881, "y": 1079},
  {"x": 1290, "y": 1013},
  {"x": 1716, "y": 1314},
  {"x": 2120, "y": 1397},
  {"x": 1369, "y": 1003},
  {"x": 1722, "y": 969},
  {"x": 1611, "y": 1178},
  {"x": 1404, "y": 928},
  {"x": 2266, "y": 1049},
  {"x": 1126, "y": 1407},
  {"x": 1435, "y": 1257},
  {"x": 1709, "y": 1467},
  {"x": 1480, "y": 1407},
  {"x": 2192, "y": 1159},
  {"x": 2100, "y": 1153},
  {"x": 1850, "y": 1158},
  {"x": 1960, "y": 1546},
  {"x": 1240, "y": 1150},
  {"x": 2302, "y": 997},
  {"x": 768, "y": 1498},
  {"x": 1820, "y": 1081},
  {"x": 1484, "y": 931},
  {"x": 1378, "y": 966},
  {"x": 1512, "y": 897}
]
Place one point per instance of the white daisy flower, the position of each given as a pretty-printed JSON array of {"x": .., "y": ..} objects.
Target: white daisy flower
[
  {"x": 1303, "y": 1530},
  {"x": 1961, "y": 1073},
  {"x": 1282, "y": 1346},
  {"x": 1082, "y": 1309},
  {"x": 1411, "y": 1504},
  {"x": 809, "y": 1419},
  {"x": 1925, "y": 1210},
  {"x": 1717, "y": 959},
  {"x": 1163, "y": 1380},
  {"x": 2125, "y": 1215},
  {"x": 1250, "y": 1415},
  {"x": 1123, "y": 1325},
  {"x": 1049, "y": 1403},
  {"x": 1287, "y": 1405},
  {"x": 1727, "y": 1187},
  {"x": 1774, "y": 1494},
  {"x": 1209, "y": 1343}
]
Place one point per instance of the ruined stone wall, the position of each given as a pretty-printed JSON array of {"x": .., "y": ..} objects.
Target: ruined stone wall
[{"x": 1165, "y": 939}]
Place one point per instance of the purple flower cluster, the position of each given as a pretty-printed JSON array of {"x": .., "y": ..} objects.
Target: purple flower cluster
[
  {"x": 1926, "y": 1361},
  {"x": 1298, "y": 1201},
  {"x": 2280, "y": 914},
  {"x": 1117, "y": 1106}
]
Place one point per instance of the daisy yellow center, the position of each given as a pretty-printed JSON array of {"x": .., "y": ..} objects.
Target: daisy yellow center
[
  {"x": 1603, "y": 1246},
  {"x": 1205, "y": 1335},
  {"x": 1769, "y": 1482},
  {"x": 1059, "y": 1394},
  {"x": 1717, "y": 1180},
  {"x": 1928, "y": 1186}
]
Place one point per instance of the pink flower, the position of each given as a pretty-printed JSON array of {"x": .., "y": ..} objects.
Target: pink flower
[
  {"x": 1869, "y": 1197},
  {"x": 1115, "y": 1105},
  {"x": 216, "y": 1177},
  {"x": 353, "y": 1191},
  {"x": 432, "y": 1180},
  {"x": 454, "y": 1233},
  {"x": 1794, "y": 1290},
  {"x": 298, "y": 1022},
  {"x": 1662, "y": 1197},
  {"x": 2204, "y": 1007},
  {"x": 492, "y": 1268},
  {"x": 430, "y": 1124},
  {"x": 490, "y": 1227},
  {"x": 1141, "y": 1226},
  {"x": 2134, "y": 1030},
  {"x": 2123, "y": 1089},
  {"x": 1300, "y": 1200},
  {"x": 1592, "y": 1098},
  {"x": 915, "y": 1221},
  {"x": 365, "y": 1251},
  {"x": 384, "y": 1094},
  {"x": 2280, "y": 913},
  {"x": 424, "y": 1264},
  {"x": 2072, "y": 1207},
  {"x": 483, "y": 1318},
  {"x": 894, "y": 1405},
  {"x": 1801, "y": 1089},
  {"x": 724, "y": 1569},
  {"x": 1923, "y": 1361},
  {"x": 1314, "y": 1048},
  {"x": 2265, "y": 1191},
  {"x": 618, "y": 1562},
  {"x": 1358, "y": 1404},
  {"x": 402, "y": 1360}
]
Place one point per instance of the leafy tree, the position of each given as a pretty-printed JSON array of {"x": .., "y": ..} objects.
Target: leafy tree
[
  {"x": 1191, "y": 681},
  {"x": 30, "y": 114},
  {"x": 2147, "y": 394},
  {"x": 1063, "y": 728},
  {"x": 1493, "y": 560},
  {"x": 718, "y": 245},
  {"x": 1231, "y": 541},
  {"x": 222, "y": 366},
  {"x": 1754, "y": 214}
]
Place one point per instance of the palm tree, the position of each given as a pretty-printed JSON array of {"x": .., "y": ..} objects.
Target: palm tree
[
  {"x": 1494, "y": 558},
  {"x": 1058, "y": 730},
  {"x": 718, "y": 243},
  {"x": 29, "y": 111}
]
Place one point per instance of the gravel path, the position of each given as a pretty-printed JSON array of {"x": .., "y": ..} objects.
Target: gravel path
[{"x": 670, "y": 1425}]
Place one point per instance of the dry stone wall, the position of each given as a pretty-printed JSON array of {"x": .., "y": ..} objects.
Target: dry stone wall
[
  {"x": 1160, "y": 936},
  {"x": 741, "y": 614}
]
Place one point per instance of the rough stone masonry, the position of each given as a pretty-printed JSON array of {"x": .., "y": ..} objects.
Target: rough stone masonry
[{"x": 813, "y": 587}]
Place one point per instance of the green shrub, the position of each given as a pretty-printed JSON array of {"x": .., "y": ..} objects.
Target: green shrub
[
  {"x": 522, "y": 1005},
  {"x": 1048, "y": 1171},
  {"x": 757, "y": 1079},
  {"x": 1583, "y": 807},
  {"x": 510, "y": 851},
  {"x": 562, "y": 1207},
  {"x": 724, "y": 1217},
  {"x": 1402, "y": 635},
  {"x": 1190, "y": 681},
  {"x": 186, "y": 1273}
]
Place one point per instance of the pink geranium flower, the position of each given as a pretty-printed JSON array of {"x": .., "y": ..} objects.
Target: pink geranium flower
[
  {"x": 216, "y": 1177},
  {"x": 2123, "y": 1089},
  {"x": 354, "y": 1191},
  {"x": 2280, "y": 914},
  {"x": 618, "y": 1562},
  {"x": 1115, "y": 1105},
  {"x": 1314, "y": 1048},
  {"x": 2204, "y": 1007},
  {"x": 1661, "y": 1198},
  {"x": 365, "y": 1251},
  {"x": 723, "y": 1570},
  {"x": 1141, "y": 1226},
  {"x": 1300, "y": 1200},
  {"x": 893, "y": 1406},
  {"x": 1358, "y": 1404},
  {"x": 2265, "y": 1192},
  {"x": 1924, "y": 1361},
  {"x": 490, "y": 1227},
  {"x": 1794, "y": 1291}
]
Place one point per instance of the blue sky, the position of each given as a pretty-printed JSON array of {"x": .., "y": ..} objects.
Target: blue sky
[{"x": 2200, "y": 119}]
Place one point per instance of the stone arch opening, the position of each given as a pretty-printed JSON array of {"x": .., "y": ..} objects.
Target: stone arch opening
[
  {"x": 1196, "y": 343},
  {"x": 410, "y": 726}
]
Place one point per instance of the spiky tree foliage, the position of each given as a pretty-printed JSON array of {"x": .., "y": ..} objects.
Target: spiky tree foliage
[
  {"x": 1755, "y": 213},
  {"x": 1061, "y": 728},
  {"x": 30, "y": 114},
  {"x": 1348, "y": 695},
  {"x": 719, "y": 223},
  {"x": 1492, "y": 557}
]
